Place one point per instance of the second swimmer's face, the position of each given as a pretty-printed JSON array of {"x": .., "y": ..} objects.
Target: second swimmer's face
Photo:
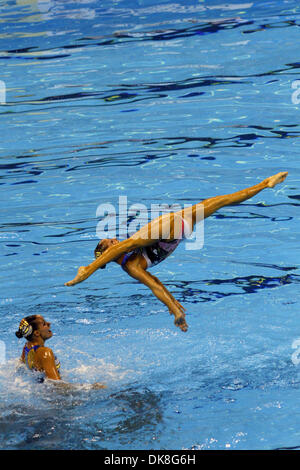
[{"x": 43, "y": 328}]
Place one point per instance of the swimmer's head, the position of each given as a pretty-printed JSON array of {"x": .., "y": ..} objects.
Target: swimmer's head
[
  {"x": 32, "y": 327},
  {"x": 103, "y": 245}
]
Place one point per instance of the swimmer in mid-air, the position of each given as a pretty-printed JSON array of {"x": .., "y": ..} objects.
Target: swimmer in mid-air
[{"x": 143, "y": 249}]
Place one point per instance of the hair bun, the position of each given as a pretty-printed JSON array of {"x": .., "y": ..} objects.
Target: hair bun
[{"x": 25, "y": 329}]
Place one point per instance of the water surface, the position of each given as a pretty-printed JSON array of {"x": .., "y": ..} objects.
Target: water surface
[{"x": 162, "y": 102}]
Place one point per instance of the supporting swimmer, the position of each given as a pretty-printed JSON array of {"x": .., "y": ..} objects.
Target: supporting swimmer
[{"x": 36, "y": 356}]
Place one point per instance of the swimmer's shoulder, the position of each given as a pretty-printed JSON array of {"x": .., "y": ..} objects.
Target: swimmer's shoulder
[{"x": 44, "y": 353}]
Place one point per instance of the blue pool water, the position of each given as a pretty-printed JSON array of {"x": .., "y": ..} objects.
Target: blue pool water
[{"x": 160, "y": 102}]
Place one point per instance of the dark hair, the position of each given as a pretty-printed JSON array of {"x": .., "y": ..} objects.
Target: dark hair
[
  {"x": 99, "y": 250},
  {"x": 27, "y": 327}
]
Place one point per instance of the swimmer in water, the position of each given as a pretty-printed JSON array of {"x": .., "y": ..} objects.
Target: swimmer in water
[
  {"x": 35, "y": 355},
  {"x": 143, "y": 250}
]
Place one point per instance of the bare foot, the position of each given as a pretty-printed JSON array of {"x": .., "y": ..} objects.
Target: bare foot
[{"x": 275, "y": 179}]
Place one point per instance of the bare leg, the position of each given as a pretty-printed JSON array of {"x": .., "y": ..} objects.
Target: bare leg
[{"x": 211, "y": 205}]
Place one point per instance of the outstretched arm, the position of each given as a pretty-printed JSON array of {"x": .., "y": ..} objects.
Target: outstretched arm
[
  {"x": 162, "y": 294},
  {"x": 178, "y": 304},
  {"x": 161, "y": 227},
  {"x": 138, "y": 240},
  {"x": 109, "y": 255},
  {"x": 46, "y": 361}
]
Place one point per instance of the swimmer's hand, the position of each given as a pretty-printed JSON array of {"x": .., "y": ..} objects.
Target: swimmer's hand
[
  {"x": 179, "y": 313},
  {"x": 82, "y": 274},
  {"x": 97, "y": 386}
]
